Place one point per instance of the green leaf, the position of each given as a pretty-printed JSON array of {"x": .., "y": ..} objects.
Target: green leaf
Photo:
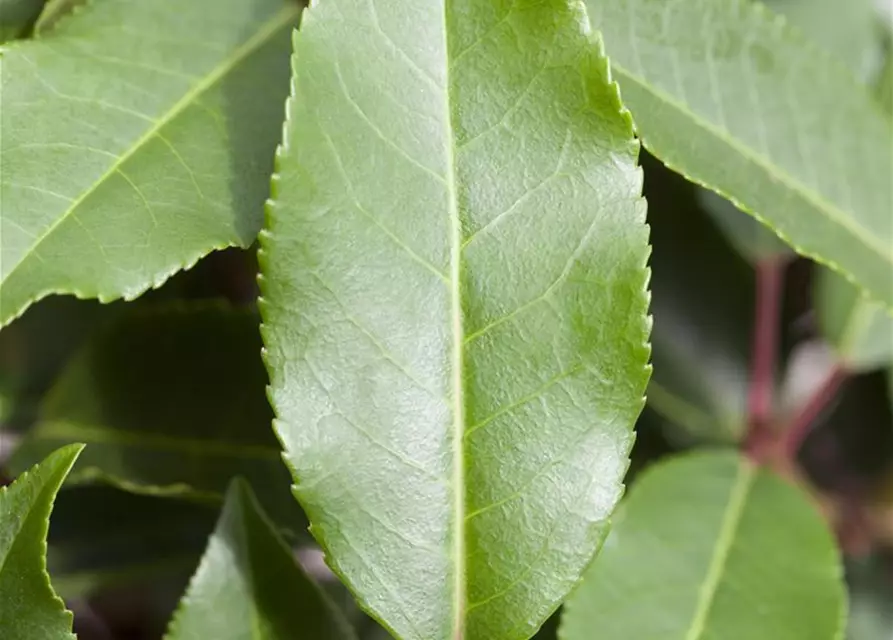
[
  {"x": 53, "y": 11},
  {"x": 884, "y": 88},
  {"x": 845, "y": 28},
  {"x": 132, "y": 147},
  {"x": 248, "y": 585},
  {"x": 103, "y": 538},
  {"x": 30, "y": 607},
  {"x": 171, "y": 401},
  {"x": 859, "y": 329},
  {"x": 702, "y": 301},
  {"x": 34, "y": 349},
  {"x": 732, "y": 97},
  {"x": 708, "y": 546},
  {"x": 17, "y": 16},
  {"x": 751, "y": 239},
  {"x": 871, "y": 592},
  {"x": 455, "y": 303}
]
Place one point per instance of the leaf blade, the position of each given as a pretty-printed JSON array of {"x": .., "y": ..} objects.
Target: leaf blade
[
  {"x": 170, "y": 399},
  {"x": 858, "y": 328},
  {"x": 30, "y": 606},
  {"x": 166, "y": 150},
  {"x": 248, "y": 584},
  {"x": 756, "y": 113},
  {"x": 332, "y": 316},
  {"x": 719, "y": 531}
]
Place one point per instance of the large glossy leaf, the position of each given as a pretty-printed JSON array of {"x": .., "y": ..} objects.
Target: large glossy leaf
[
  {"x": 249, "y": 585},
  {"x": 859, "y": 329},
  {"x": 454, "y": 305},
  {"x": 728, "y": 94},
  {"x": 132, "y": 147},
  {"x": 707, "y": 546},
  {"x": 171, "y": 401},
  {"x": 105, "y": 538},
  {"x": 30, "y": 608},
  {"x": 702, "y": 301}
]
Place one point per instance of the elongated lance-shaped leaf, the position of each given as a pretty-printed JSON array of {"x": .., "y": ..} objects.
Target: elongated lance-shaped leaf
[
  {"x": 170, "y": 400},
  {"x": 731, "y": 96},
  {"x": 249, "y": 585},
  {"x": 454, "y": 306},
  {"x": 707, "y": 546},
  {"x": 860, "y": 330},
  {"x": 134, "y": 139},
  {"x": 28, "y": 606}
]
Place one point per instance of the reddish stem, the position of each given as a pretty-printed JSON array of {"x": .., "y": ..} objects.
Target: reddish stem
[
  {"x": 770, "y": 283},
  {"x": 764, "y": 353},
  {"x": 802, "y": 424}
]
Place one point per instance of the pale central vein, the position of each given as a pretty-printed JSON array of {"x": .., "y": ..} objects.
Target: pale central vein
[
  {"x": 457, "y": 359},
  {"x": 728, "y": 528}
]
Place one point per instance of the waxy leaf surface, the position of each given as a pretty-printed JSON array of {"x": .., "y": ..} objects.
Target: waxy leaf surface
[
  {"x": 28, "y": 606},
  {"x": 248, "y": 585},
  {"x": 731, "y": 96},
  {"x": 454, "y": 305},
  {"x": 708, "y": 547},
  {"x": 136, "y": 137}
]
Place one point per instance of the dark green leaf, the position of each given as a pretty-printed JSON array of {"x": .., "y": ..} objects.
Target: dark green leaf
[
  {"x": 702, "y": 294},
  {"x": 34, "y": 349},
  {"x": 454, "y": 305},
  {"x": 132, "y": 146},
  {"x": 53, "y": 11},
  {"x": 171, "y": 401},
  {"x": 248, "y": 585},
  {"x": 17, "y": 16},
  {"x": 860, "y": 330},
  {"x": 102, "y": 537},
  {"x": 731, "y": 96},
  {"x": 28, "y": 606},
  {"x": 707, "y": 546},
  {"x": 752, "y": 240}
]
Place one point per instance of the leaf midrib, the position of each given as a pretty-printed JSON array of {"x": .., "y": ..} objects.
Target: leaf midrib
[
  {"x": 731, "y": 520},
  {"x": 67, "y": 430},
  {"x": 830, "y": 210},
  {"x": 458, "y": 346},
  {"x": 261, "y": 37}
]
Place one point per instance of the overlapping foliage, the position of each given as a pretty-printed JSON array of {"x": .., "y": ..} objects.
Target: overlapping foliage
[{"x": 454, "y": 312}]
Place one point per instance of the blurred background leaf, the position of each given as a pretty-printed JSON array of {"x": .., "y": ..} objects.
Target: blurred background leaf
[
  {"x": 859, "y": 329},
  {"x": 17, "y": 16},
  {"x": 702, "y": 303},
  {"x": 170, "y": 400},
  {"x": 104, "y": 538}
]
